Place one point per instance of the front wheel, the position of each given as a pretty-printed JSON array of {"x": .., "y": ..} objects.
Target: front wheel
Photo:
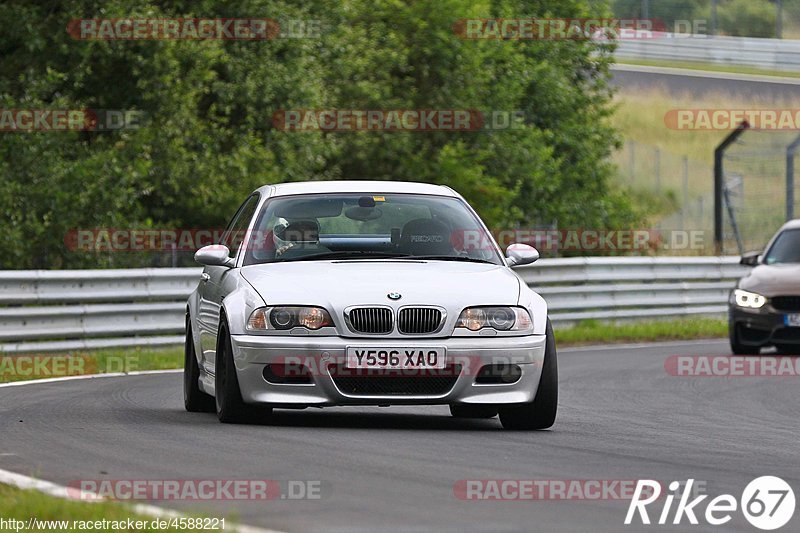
[
  {"x": 194, "y": 400},
  {"x": 231, "y": 409},
  {"x": 541, "y": 412}
]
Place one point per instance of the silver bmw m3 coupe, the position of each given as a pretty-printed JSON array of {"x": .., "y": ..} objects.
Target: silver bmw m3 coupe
[{"x": 367, "y": 293}]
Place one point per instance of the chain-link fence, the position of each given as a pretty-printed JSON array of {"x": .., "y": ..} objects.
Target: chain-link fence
[
  {"x": 682, "y": 187},
  {"x": 758, "y": 195},
  {"x": 756, "y": 199}
]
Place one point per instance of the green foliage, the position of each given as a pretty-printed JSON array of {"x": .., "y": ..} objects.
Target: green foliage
[
  {"x": 740, "y": 18},
  {"x": 747, "y": 18},
  {"x": 665, "y": 11},
  {"x": 208, "y": 139}
]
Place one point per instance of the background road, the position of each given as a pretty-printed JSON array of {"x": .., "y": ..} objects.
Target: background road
[
  {"x": 621, "y": 417},
  {"x": 676, "y": 81}
]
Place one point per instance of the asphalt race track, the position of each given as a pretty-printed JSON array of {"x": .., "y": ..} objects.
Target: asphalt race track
[
  {"x": 622, "y": 417},
  {"x": 700, "y": 83}
]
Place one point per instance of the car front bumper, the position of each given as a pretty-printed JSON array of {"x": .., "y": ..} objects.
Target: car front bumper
[
  {"x": 252, "y": 353},
  {"x": 760, "y": 327}
]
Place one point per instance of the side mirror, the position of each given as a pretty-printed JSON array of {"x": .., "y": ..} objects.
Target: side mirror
[
  {"x": 214, "y": 255},
  {"x": 750, "y": 259},
  {"x": 521, "y": 254}
]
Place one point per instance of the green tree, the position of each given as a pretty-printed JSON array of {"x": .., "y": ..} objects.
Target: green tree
[
  {"x": 207, "y": 138},
  {"x": 747, "y": 18}
]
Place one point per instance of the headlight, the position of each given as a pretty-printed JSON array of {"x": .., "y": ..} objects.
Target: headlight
[
  {"x": 281, "y": 318},
  {"x": 499, "y": 318},
  {"x": 749, "y": 299}
]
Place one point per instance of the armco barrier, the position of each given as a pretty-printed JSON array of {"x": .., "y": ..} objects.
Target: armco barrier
[
  {"x": 53, "y": 310},
  {"x": 770, "y": 54},
  {"x": 621, "y": 288},
  {"x": 59, "y": 310}
]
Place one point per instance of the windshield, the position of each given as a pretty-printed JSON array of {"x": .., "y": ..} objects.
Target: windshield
[
  {"x": 368, "y": 226},
  {"x": 785, "y": 249}
]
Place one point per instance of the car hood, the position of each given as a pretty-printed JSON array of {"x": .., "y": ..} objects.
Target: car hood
[
  {"x": 340, "y": 284},
  {"x": 773, "y": 280}
]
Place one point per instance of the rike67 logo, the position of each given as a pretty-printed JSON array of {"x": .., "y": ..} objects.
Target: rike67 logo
[{"x": 767, "y": 502}]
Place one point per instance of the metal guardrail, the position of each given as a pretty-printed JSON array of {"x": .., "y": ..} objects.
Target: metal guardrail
[
  {"x": 770, "y": 54},
  {"x": 62, "y": 310},
  {"x": 624, "y": 288},
  {"x": 56, "y": 310}
]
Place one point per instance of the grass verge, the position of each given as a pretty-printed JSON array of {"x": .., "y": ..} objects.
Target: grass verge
[
  {"x": 595, "y": 332},
  {"x": 640, "y": 116},
  {"x": 35, "y": 511},
  {"x": 41, "y": 366}
]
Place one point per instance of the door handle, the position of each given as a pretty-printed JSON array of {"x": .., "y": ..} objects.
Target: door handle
[{"x": 204, "y": 277}]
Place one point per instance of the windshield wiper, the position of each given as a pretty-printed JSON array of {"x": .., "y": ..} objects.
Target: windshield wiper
[
  {"x": 463, "y": 258},
  {"x": 350, "y": 254}
]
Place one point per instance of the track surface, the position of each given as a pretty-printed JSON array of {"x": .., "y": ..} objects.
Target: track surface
[
  {"x": 763, "y": 89},
  {"x": 621, "y": 417}
]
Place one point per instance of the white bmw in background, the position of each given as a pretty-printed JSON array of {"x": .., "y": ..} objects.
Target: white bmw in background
[{"x": 367, "y": 293}]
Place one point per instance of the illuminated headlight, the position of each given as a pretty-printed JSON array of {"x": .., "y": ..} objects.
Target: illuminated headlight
[
  {"x": 499, "y": 318},
  {"x": 282, "y": 318},
  {"x": 748, "y": 299}
]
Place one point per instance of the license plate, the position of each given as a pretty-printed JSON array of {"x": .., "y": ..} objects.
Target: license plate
[
  {"x": 792, "y": 320},
  {"x": 395, "y": 358}
]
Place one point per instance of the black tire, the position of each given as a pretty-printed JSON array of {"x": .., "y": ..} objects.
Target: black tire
[
  {"x": 460, "y": 410},
  {"x": 737, "y": 347},
  {"x": 541, "y": 412},
  {"x": 230, "y": 407},
  {"x": 194, "y": 400}
]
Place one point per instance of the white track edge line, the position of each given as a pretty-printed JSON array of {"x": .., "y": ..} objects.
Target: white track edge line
[
  {"x": 89, "y": 376},
  {"x": 52, "y": 489}
]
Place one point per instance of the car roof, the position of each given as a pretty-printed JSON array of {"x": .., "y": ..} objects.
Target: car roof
[
  {"x": 792, "y": 224},
  {"x": 356, "y": 186}
]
